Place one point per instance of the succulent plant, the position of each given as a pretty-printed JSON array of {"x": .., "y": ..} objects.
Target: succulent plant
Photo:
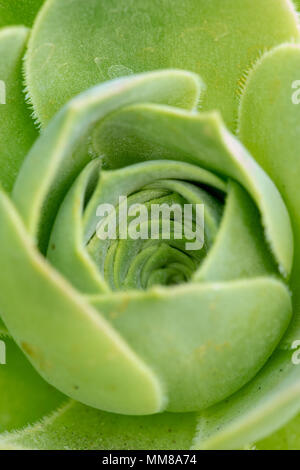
[{"x": 139, "y": 343}]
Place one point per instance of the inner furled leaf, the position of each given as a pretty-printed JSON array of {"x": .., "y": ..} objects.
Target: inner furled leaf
[
  {"x": 74, "y": 231},
  {"x": 16, "y": 128},
  {"x": 200, "y": 139},
  {"x": 239, "y": 250},
  {"x": 77, "y": 44},
  {"x": 61, "y": 153}
]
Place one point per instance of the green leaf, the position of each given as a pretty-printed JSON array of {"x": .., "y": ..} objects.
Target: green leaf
[
  {"x": 269, "y": 126},
  {"x": 194, "y": 140},
  {"x": 50, "y": 166},
  {"x": 200, "y": 139},
  {"x": 77, "y": 44},
  {"x": 287, "y": 438},
  {"x": 239, "y": 250},
  {"x": 264, "y": 405},
  {"x": 211, "y": 335},
  {"x": 87, "y": 329},
  {"x": 70, "y": 345},
  {"x": 3, "y": 329},
  {"x": 25, "y": 397},
  {"x": 297, "y": 4},
  {"x": 16, "y": 128},
  {"x": 19, "y": 12},
  {"x": 75, "y": 426}
]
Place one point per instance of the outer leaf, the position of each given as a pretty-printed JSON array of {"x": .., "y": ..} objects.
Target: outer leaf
[
  {"x": 77, "y": 44},
  {"x": 16, "y": 128},
  {"x": 101, "y": 431},
  {"x": 269, "y": 127},
  {"x": 23, "y": 12},
  {"x": 261, "y": 407},
  {"x": 42, "y": 328},
  {"x": 51, "y": 167},
  {"x": 24, "y": 396},
  {"x": 265, "y": 404}
]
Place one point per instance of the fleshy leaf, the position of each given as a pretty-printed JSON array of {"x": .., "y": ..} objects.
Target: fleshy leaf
[
  {"x": 200, "y": 139},
  {"x": 50, "y": 166},
  {"x": 286, "y": 438},
  {"x": 269, "y": 126},
  {"x": 264, "y": 405},
  {"x": 101, "y": 431},
  {"x": 239, "y": 250},
  {"x": 25, "y": 396},
  {"x": 211, "y": 335},
  {"x": 66, "y": 55},
  {"x": 16, "y": 127},
  {"x": 297, "y": 4},
  {"x": 104, "y": 350},
  {"x": 3, "y": 329},
  {"x": 19, "y": 12}
]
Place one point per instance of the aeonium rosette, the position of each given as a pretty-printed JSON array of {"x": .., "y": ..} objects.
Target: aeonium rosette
[
  {"x": 141, "y": 326},
  {"x": 100, "y": 331}
]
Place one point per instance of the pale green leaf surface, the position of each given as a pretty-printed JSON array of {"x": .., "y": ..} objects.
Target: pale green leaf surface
[
  {"x": 269, "y": 127},
  {"x": 270, "y": 400},
  {"x": 102, "y": 431},
  {"x": 239, "y": 250},
  {"x": 202, "y": 356},
  {"x": 77, "y": 44}
]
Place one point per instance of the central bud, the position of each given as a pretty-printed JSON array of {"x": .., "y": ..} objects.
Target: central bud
[{"x": 153, "y": 236}]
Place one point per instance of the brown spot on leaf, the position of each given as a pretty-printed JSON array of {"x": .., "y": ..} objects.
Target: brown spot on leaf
[{"x": 35, "y": 354}]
